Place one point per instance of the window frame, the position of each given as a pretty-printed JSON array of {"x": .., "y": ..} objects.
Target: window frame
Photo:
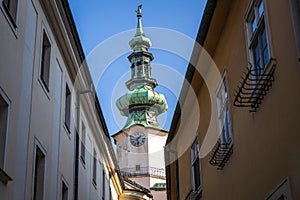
[
  {"x": 195, "y": 158},
  {"x": 46, "y": 86},
  {"x": 64, "y": 182},
  {"x": 94, "y": 168},
  {"x": 103, "y": 183},
  {"x": 225, "y": 109},
  {"x": 6, "y": 100},
  {"x": 82, "y": 143},
  {"x": 67, "y": 122},
  {"x": 11, "y": 20},
  {"x": 38, "y": 145},
  {"x": 254, "y": 37},
  {"x": 283, "y": 188}
]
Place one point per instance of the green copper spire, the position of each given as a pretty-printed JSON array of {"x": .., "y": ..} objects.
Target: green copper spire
[{"x": 141, "y": 104}]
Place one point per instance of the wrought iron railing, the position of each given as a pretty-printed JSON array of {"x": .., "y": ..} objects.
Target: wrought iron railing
[
  {"x": 221, "y": 154},
  {"x": 255, "y": 84},
  {"x": 159, "y": 172}
]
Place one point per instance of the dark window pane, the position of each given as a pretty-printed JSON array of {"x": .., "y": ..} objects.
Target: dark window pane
[
  {"x": 68, "y": 108},
  {"x": 39, "y": 172},
  {"x": 64, "y": 192},
  {"x": 45, "y": 61},
  {"x": 12, "y": 7}
]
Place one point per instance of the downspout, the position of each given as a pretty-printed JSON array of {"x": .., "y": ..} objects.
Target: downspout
[
  {"x": 76, "y": 159},
  {"x": 295, "y": 14},
  {"x": 176, "y": 169}
]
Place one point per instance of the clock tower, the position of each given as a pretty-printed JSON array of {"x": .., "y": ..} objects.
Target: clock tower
[{"x": 140, "y": 142}]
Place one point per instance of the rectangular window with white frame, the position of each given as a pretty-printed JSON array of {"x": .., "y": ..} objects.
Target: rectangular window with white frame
[
  {"x": 68, "y": 98},
  {"x": 45, "y": 61},
  {"x": 224, "y": 122},
  {"x": 4, "y": 118},
  {"x": 258, "y": 42},
  {"x": 196, "y": 176},
  {"x": 11, "y": 7}
]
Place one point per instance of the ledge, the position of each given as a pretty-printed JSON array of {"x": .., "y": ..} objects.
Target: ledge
[{"x": 4, "y": 177}]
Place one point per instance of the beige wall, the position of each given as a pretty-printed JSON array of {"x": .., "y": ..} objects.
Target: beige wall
[{"x": 265, "y": 143}]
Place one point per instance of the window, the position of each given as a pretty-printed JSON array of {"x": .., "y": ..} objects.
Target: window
[
  {"x": 195, "y": 165},
  {"x": 64, "y": 191},
  {"x": 45, "y": 61},
  {"x": 11, "y": 6},
  {"x": 39, "y": 173},
  {"x": 4, "y": 111},
  {"x": 223, "y": 112},
  {"x": 138, "y": 167},
  {"x": 257, "y": 37},
  {"x": 68, "y": 108},
  {"x": 95, "y": 168},
  {"x": 82, "y": 148}
]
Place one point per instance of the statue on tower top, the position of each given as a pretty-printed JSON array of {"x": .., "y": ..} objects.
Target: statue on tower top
[{"x": 139, "y": 11}]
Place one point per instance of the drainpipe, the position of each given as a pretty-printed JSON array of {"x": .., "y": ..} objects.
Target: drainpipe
[
  {"x": 80, "y": 92},
  {"x": 295, "y": 14},
  {"x": 175, "y": 153}
]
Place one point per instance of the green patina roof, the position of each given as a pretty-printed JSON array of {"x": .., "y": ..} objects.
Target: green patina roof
[{"x": 141, "y": 104}]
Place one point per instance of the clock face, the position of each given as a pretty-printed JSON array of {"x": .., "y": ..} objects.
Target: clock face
[{"x": 137, "y": 139}]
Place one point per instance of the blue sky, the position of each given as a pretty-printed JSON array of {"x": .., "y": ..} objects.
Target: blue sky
[{"x": 105, "y": 27}]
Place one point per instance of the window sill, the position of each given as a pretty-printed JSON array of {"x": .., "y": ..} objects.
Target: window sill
[{"x": 4, "y": 177}]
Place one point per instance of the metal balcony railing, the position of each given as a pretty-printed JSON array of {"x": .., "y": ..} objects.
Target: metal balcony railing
[
  {"x": 255, "y": 84},
  {"x": 221, "y": 154},
  {"x": 159, "y": 172}
]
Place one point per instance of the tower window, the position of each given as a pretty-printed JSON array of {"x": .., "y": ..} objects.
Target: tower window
[{"x": 138, "y": 167}]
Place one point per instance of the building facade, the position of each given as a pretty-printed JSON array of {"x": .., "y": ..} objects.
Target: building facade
[
  {"x": 246, "y": 144},
  {"x": 140, "y": 143},
  {"x": 54, "y": 140}
]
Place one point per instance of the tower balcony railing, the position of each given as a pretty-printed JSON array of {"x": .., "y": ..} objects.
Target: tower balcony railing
[{"x": 144, "y": 171}]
